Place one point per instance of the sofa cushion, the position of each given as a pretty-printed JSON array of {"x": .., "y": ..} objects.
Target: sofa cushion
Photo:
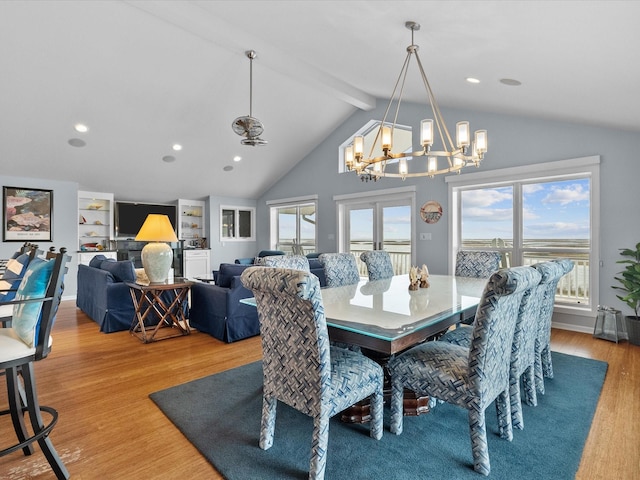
[
  {"x": 96, "y": 261},
  {"x": 227, "y": 271},
  {"x": 122, "y": 271}
]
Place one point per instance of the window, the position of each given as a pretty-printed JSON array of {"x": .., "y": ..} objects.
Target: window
[
  {"x": 532, "y": 214},
  {"x": 237, "y": 223},
  {"x": 293, "y": 225}
]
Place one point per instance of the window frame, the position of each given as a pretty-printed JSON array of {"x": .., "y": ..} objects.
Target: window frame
[
  {"x": 297, "y": 202},
  {"x": 235, "y": 237},
  {"x": 540, "y": 173}
]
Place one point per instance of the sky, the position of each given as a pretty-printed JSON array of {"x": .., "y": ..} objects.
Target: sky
[{"x": 551, "y": 210}]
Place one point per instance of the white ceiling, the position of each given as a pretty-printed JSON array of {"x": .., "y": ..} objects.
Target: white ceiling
[{"x": 146, "y": 74}]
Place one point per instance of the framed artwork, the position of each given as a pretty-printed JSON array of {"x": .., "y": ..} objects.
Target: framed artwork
[
  {"x": 27, "y": 214},
  {"x": 431, "y": 212}
]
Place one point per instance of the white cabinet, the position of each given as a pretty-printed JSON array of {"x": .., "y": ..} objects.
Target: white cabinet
[
  {"x": 95, "y": 221},
  {"x": 196, "y": 263},
  {"x": 191, "y": 221}
]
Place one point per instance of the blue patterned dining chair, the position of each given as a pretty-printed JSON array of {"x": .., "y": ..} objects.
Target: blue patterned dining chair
[
  {"x": 25, "y": 342},
  {"x": 477, "y": 264},
  {"x": 544, "y": 366},
  {"x": 473, "y": 377},
  {"x": 523, "y": 357},
  {"x": 299, "y": 366},
  {"x": 339, "y": 269},
  {"x": 295, "y": 262},
  {"x": 378, "y": 262}
]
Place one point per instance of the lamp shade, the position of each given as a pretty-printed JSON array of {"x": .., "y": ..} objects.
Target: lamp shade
[{"x": 156, "y": 228}]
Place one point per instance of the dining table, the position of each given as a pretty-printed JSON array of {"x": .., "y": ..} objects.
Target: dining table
[{"x": 385, "y": 316}]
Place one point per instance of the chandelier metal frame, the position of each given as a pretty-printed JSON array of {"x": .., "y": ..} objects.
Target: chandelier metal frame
[{"x": 459, "y": 155}]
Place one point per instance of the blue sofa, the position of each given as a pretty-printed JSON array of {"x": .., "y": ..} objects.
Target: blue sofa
[
  {"x": 103, "y": 295},
  {"x": 216, "y": 309}
]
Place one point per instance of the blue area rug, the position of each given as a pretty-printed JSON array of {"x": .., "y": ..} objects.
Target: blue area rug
[{"x": 220, "y": 415}]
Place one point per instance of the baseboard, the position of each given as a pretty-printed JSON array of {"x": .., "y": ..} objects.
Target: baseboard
[
  {"x": 68, "y": 297},
  {"x": 572, "y": 327}
]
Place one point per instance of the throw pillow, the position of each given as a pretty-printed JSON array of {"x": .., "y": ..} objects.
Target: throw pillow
[
  {"x": 16, "y": 268},
  {"x": 123, "y": 271},
  {"x": 26, "y": 316}
]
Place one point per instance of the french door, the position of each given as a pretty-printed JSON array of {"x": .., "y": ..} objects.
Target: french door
[{"x": 379, "y": 224}]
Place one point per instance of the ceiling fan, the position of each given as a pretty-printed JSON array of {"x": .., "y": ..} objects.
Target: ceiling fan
[{"x": 249, "y": 126}]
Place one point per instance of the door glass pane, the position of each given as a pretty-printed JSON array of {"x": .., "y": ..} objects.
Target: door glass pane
[
  {"x": 360, "y": 234},
  {"x": 396, "y": 227},
  {"x": 487, "y": 218}
]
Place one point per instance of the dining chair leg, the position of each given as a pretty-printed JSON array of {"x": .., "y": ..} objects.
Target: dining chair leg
[
  {"x": 17, "y": 400},
  {"x": 376, "y": 426},
  {"x": 38, "y": 425},
  {"x": 479, "y": 446},
  {"x": 528, "y": 384},
  {"x": 268, "y": 424},
  {"x": 319, "y": 446},
  {"x": 516, "y": 405},
  {"x": 397, "y": 397},
  {"x": 503, "y": 409},
  {"x": 547, "y": 365}
]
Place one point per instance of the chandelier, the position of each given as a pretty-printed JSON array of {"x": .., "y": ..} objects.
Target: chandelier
[
  {"x": 249, "y": 126},
  {"x": 383, "y": 162}
]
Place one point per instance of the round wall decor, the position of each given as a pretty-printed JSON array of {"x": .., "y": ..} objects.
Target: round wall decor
[{"x": 431, "y": 211}]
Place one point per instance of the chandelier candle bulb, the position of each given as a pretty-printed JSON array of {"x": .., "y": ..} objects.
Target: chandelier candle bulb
[
  {"x": 462, "y": 134},
  {"x": 403, "y": 169},
  {"x": 432, "y": 164},
  {"x": 348, "y": 157},
  {"x": 358, "y": 147},
  {"x": 481, "y": 141},
  {"x": 386, "y": 139},
  {"x": 426, "y": 133}
]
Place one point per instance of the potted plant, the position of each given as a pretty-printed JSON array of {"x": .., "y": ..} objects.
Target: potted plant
[{"x": 630, "y": 285}]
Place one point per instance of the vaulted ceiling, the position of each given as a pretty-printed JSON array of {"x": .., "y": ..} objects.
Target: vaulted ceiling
[{"x": 144, "y": 75}]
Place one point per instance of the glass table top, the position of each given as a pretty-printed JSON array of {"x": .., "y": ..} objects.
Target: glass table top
[{"x": 388, "y": 310}]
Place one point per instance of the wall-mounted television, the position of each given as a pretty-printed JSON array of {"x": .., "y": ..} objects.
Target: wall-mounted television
[{"x": 130, "y": 216}]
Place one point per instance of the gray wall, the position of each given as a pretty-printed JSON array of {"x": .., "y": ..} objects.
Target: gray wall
[
  {"x": 64, "y": 226},
  {"x": 513, "y": 141}
]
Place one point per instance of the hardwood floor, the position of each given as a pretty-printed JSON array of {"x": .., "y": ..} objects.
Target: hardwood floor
[{"x": 109, "y": 428}]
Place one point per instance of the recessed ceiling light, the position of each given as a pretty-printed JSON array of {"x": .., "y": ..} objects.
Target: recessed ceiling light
[
  {"x": 237, "y": 158},
  {"x": 177, "y": 147},
  {"x": 81, "y": 127},
  {"x": 510, "y": 81},
  {"x": 168, "y": 158},
  {"x": 472, "y": 80},
  {"x": 227, "y": 168},
  {"x": 77, "y": 142}
]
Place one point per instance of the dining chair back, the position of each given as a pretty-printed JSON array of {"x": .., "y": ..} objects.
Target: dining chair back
[
  {"x": 299, "y": 366},
  {"x": 378, "y": 262},
  {"x": 296, "y": 262},
  {"x": 543, "y": 365},
  {"x": 26, "y": 341},
  {"x": 472, "y": 377},
  {"x": 339, "y": 269},
  {"x": 476, "y": 263}
]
